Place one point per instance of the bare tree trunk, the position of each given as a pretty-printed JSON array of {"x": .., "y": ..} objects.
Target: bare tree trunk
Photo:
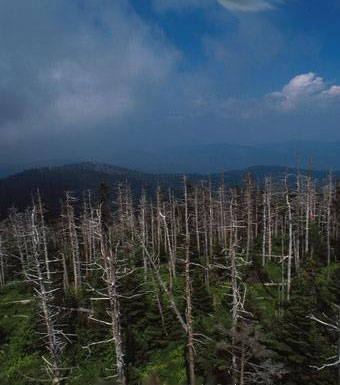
[
  {"x": 44, "y": 292},
  {"x": 188, "y": 292},
  {"x": 197, "y": 223},
  {"x": 234, "y": 315},
  {"x": 211, "y": 223},
  {"x": 158, "y": 220},
  {"x": 168, "y": 293},
  {"x": 264, "y": 231},
  {"x": 2, "y": 264},
  {"x": 249, "y": 209},
  {"x": 235, "y": 291},
  {"x": 159, "y": 304},
  {"x": 109, "y": 257},
  {"x": 290, "y": 239},
  {"x": 43, "y": 234},
  {"x": 173, "y": 224},
  {"x": 329, "y": 218},
  {"x": 206, "y": 247},
  {"x": 143, "y": 229},
  {"x": 172, "y": 259},
  {"x": 308, "y": 195},
  {"x": 87, "y": 232},
  {"x": 73, "y": 239},
  {"x": 269, "y": 215}
]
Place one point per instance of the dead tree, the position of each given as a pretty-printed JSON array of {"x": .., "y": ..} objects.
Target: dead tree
[
  {"x": 2, "y": 263},
  {"x": 73, "y": 242},
  {"x": 249, "y": 213},
  {"x": 269, "y": 216},
  {"x": 290, "y": 237},
  {"x": 172, "y": 256},
  {"x": 238, "y": 289},
  {"x": 143, "y": 227},
  {"x": 113, "y": 271},
  {"x": 197, "y": 225},
  {"x": 43, "y": 231},
  {"x": 188, "y": 289},
  {"x": 329, "y": 190},
  {"x": 307, "y": 212},
  {"x": 88, "y": 236},
  {"x": 206, "y": 236},
  {"x": 187, "y": 322},
  {"x": 44, "y": 289},
  {"x": 264, "y": 230}
]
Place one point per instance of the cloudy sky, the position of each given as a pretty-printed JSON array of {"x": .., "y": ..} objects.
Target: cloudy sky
[{"x": 83, "y": 78}]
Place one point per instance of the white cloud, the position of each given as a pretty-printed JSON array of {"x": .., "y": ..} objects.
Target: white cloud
[
  {"x": 303, "y": 85},
  {"x": 305, "y": 88},
  {"x": 333, "y": 91},
  {"x": 247, "y": 5}
]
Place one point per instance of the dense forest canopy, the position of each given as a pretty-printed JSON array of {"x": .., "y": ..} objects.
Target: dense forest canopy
[{"x": 215, "y": 285}]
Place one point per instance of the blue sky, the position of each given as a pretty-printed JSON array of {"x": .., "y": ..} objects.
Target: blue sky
[{"x": 82, "y": 78}]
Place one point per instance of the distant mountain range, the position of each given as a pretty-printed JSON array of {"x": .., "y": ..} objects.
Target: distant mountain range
[
  {"x": 211, "y": 158},
  {"x": 52, "y": 182},
  {"x": 216, "y": 158},
  {"x": 7, "y": 169}
]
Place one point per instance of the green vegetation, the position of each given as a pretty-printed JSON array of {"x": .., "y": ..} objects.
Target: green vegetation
[{"x": 147, "y": 273}]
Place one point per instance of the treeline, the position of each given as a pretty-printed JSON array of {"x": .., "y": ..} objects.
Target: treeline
[{"x": 220, "y": 286}]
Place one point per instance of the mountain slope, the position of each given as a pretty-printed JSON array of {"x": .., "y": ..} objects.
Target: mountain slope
[{"x": 52, "y": 182}]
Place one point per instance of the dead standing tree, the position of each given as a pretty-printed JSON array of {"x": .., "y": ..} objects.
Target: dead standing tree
[
  {"x": 40, "y": 274},
  {"x": 290, "y": 236},
  {"x": 187, "y": 322},
  {"x": 238, "y": 288},
  {"x": 114, "y": 269},
  {"x": 2, "y": 263},
  {"x": 70, "y": 229},
  {"x": 188, "y": 290},
  {"x": 88, "y": 236}
]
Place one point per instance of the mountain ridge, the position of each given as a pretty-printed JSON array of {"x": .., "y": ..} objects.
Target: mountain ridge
[
  {"x": 52, "y": 182},
  {"x": 205, "y": 158}
]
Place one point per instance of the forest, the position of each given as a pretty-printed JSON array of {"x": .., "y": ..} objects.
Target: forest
[{"x": 212, "y": 285}]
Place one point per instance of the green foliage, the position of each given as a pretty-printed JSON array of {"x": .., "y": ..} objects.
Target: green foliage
[
  {"x": 299, "y": 342},
  {"x": 282, "y": 341},
  {"x": 20, "y": 353},
  {"x": 167, "y": 366}
]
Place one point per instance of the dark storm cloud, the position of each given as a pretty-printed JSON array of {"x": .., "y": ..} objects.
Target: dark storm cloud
[
  {"x": 12, "y": 106},
  {"x": 80, "y": 79},
  {"x": 75, "y": 66}
]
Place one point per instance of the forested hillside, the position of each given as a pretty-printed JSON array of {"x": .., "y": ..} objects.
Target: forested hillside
[
  {"x": 52, "y": 182},
  {"x": 209, "y": 285}
]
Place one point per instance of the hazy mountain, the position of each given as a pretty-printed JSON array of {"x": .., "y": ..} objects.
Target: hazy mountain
[
  {"x": 7, "y": 169},
  {"x": 219, "y": 157},
  {"x": 211, "y": 158},
  {"x": 52, "y": 182}
]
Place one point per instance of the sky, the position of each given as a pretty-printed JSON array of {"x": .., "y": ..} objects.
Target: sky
[{"x": 81, "y": 79}]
